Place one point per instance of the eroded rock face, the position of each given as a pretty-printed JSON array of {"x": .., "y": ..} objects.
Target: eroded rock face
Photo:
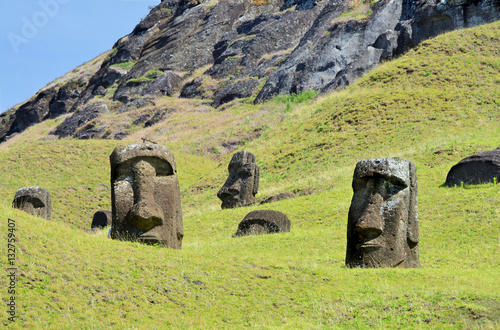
[
  {"x": 102, "y": 219},
  {"x": 482, "y": 167},
  {"x": 145, "y": 196},
  {"x": 33, "y": 200},
  {"x": 243, "y": 182},
  {"x": 263, "y": 222},
  {"x": 79, "y": 119},
  {"x": 382, "y": 227},
  {"x": 292, "y": 45}
]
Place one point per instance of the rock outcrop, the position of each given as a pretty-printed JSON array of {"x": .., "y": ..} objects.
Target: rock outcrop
[{"x": 251, "y": 48}]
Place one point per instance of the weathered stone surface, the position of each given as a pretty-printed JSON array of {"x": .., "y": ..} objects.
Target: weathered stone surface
[
  {"x": 136, "y": 104},
  {"x": 33, "y": 200},
  {"x": 164, "y": 85},
  {"x": 382, "y": 227},
  {"x": 145, "y": 196},
  {"x": 482, "y": 167},
  {"x": 236, "y": 90},
  {"x": 333, "y": 56},
  {"x": 263, "y": 222},
  {"x": 279, "y": 197},
  {"x": 295, "y": 45},
  {"x": 80, "y": 118},
  {"x": 102, "y": 219},
  {"x": 242, "y": 184}
]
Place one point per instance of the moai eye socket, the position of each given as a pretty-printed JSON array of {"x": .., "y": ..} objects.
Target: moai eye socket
[
  {"x": 245, "y": 172},
  {"x": 36, "y": 202},
  {"x": 124, "y": 173},
  {"x": 163, "y": 168},
  {"x": 392, "y": 186},
  {"x": 359, "y": 183}
]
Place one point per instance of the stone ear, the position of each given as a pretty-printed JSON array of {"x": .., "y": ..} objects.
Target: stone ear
[
  {"x": 256, "y": 180},
  {"x": 412, "y": 233}
]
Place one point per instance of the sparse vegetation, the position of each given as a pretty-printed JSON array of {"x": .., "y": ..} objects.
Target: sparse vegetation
[
  {"x": 304, "y": 143},
  {"x": 125, "y": 65},
  {"x": 139, "y": 80}
]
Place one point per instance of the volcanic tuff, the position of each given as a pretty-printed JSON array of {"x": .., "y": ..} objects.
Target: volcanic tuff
[{"x": 224, "y": 50}]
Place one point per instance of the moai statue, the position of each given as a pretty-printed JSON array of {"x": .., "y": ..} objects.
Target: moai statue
[
  {"x": 145, "y": 196},
  {"x": 482, "y": 167},
  {"x": 33, "y": 200},
  {"x": 263, "y": 222},
  {"x": 102, "y": 219},
  {"x": 243, "y": 182},
  {"x": 382, "y": 226}
]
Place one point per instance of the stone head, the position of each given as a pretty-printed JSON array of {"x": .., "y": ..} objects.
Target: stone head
[
  {"x": 382, "y": 228},
  {"x": 263, "y": 222},
  {"x": 33, "y": 200},
  {"x": 145, "y": 195},
  {"x": 102, "y": 219},
  {"x": 243, "y": 182}
]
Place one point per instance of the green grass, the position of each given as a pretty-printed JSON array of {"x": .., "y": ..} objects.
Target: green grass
[
  {"x": 124, "y": 65},
  {"x": 435, "y": 105},
  {"x": 139, "y": 80}
]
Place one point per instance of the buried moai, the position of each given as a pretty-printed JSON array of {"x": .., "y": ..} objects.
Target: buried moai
[
  {"x": 382, "y": 226},
  {"x": 482, "y": 167},
  {"x": 242, "y": 184},
  {"x": 102, "y": 219},
  {"x": 33, "y": 200},
  {"x": 263, "y": 222},
  {"x": 145, "y": 196}
]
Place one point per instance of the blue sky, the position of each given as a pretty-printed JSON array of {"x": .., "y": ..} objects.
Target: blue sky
[{"x": 41, "y": 40}]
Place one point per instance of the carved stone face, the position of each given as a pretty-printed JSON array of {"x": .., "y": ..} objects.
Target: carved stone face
[
  {"x": 382, "y": 228},
  {"x": 33, "y": 200},
  {"x": 145, "y": 195},
  {"x": 243, "y": 182}
]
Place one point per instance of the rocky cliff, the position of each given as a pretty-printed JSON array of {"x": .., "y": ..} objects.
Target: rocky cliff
[{"x": 224, "y": 50}]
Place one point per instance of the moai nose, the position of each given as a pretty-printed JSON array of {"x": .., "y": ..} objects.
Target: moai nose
[
  {"x": 229, "y": 189},
  {"x": 145, "y": 214},
  {"x": 371, "y": 223}
]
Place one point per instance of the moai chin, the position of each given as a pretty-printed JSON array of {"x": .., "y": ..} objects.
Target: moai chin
[
  {"x": 145, "y": 196},
  {"x": 382, "y": 226},
  {"x": 33, "y": 200},
  {"x": 243, "y": 182}
]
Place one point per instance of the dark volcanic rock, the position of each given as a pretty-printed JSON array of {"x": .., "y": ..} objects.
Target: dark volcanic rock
[
  {"x": 80, "y": 118},
  {"x": 296, "y": 45},
  {"x": 263, "y": 222},
  {"x": 479, "y": 168},
  {"x": 164, "y": 85},
  {"x": 236, "y": 90},
  {"x": 333, "y": 56}
]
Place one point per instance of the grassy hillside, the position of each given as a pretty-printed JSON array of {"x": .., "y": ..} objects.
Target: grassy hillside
[{"x": 435, "y": 105}]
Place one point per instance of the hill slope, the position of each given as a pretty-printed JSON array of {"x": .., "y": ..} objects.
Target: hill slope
[
  {"x": 435, "y": 106},
  {"x": 220, "y": 51}
]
